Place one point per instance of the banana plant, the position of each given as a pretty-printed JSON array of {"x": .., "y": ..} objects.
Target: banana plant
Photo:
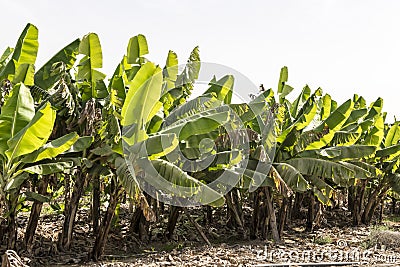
[
  {"x": 386, "y": 162},
  {"x": 129, "y": 116},
  {"x": 25, "y": 150}
]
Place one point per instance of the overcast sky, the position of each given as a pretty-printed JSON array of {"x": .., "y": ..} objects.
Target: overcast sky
[{"x": 343, "y": 46}]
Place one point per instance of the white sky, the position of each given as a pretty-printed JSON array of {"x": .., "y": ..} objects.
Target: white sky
[{"x": 343, "y": 46}]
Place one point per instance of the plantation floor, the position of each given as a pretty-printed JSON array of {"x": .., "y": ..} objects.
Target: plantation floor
[{"x": 336, "y": 241}]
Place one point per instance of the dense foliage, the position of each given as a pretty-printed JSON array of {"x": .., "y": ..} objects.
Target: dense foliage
[{"x": 66, "y": 129}]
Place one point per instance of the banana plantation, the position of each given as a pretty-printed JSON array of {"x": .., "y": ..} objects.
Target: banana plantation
[{"x": 135, "y": 150}]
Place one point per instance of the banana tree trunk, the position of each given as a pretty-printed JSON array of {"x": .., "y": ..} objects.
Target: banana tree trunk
[
  {"x": 70, "y": 211},
  {"x": 35, "y": 214},
  {"x": 310, "y": 213},
  {"x": 140, "y": 225},
  {"x": 272, "y": 217},
  {"x": 255, "y": 215},
  {"x": 234, "y": 214},
  {"x": 11, "y": 220},
  {"x": 368, "y": 211},
  {"x": 296, "y": 209},
  {"x": 172, "y": 220},
  {"x": 96, "y": 204},
  {"x": 382, "y": 209},
  {"x": 393, "y": 208},
  {"x": 101, "y": 238},
  {"x": 283, "y": 215},
  {"x": 358, "y": 199}
]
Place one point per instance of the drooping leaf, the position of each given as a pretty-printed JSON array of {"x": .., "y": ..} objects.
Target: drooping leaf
[
  {"x": 340, "y": 152},
  {"x": 321, "y": 168},
  {"x": 172, "y": 180},
  {"x": 49, "y": 168},
  {"x": 292, "y": 177},
  {"x": 32, "y": 196}
]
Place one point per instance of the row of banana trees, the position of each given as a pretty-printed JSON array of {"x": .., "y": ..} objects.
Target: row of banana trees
[{"x": 140, "y": 137}]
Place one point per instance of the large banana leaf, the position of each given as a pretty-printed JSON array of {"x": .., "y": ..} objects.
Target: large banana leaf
[
  {"x": 340, "y": 152},
  {"x": 393, "y": 135},
  {"x": 223, "y": 88},
  {"x": 169, "y": 178},
  {"x": 34, "y": 135},
  {"x": 204, "y": 161},
  {"x": 321, "y": 168},
  {"x": 80, "y": 144},
  {"x": 170, "y": 72},
  {"x": 21, "y": 66},
  {"x": 137, "y": 47},
  {"x": 355, "y": 116},
  {"x": 292, "y": 177},
  {"x": 17, "y": 112},
  {"x": 283, "y": 88},
  {"x": 346, "y": 138},
  {"x": 127, "y": 177},
  {"x": 185, "y": 80},
  {"x": 321, "y": 189},
  {"x": 90, "y": 79},
  {"x": 141, "y": 102},
  {"x": 198, "y": 124},
  {"x": 388, "y": 153},
  {"x": 326, "y": 104},
  {"x": 332, "y": 124},
  {"x": 154, "y": 147},
  {"x": 67, "y": 55},
  {"x": 20, "y": 176},
  {"x": 49, "y": 168},
  {"x": 305, "y": 117},
  {"x": 299, "y": 101},
  {"x": 376, "y": 133},
  {"x": 192, "y": 107},
  {"x": 52, "y": 149},
  {"x": 375, "y": 109}
]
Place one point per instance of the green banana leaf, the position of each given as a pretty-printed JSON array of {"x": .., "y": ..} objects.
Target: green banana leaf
[
  {"x": 340, "y": 152},
  {"x": 173, "y": 180},
  {"x": 17, "y": 111},
  {"x": 34, "y": 135},
  {"x": 21, "y": 66},
  {"x": 89, "y": 78},
  {"x": 137, "y": 48},
  {"x": 141, "y": 102},
  {"x": 393, "y": 135},
  {"x": 292, "y": 177},
  {"x": 44, "y": 78},
  {"x": 52, "y": 149}
]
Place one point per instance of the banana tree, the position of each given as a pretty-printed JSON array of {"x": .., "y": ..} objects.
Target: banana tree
[
  {"x": 305, "y": 128},
  {"x": 24, "y": 149},
  {"x": 386, "y": 176},
  {"x": 133, "y": 110}
]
